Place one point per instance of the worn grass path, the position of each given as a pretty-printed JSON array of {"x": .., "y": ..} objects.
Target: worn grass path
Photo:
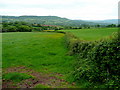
[{"x": 42, "y": 56}]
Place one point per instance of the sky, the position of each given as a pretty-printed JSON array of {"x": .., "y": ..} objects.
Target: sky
[{"x": 71, "y": 9}]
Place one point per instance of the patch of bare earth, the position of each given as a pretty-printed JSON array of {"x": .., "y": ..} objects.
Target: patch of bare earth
[{"x": 39, "y": 78}]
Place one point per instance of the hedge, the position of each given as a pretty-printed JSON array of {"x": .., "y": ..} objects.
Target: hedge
[{"x": 98, "y": 61}]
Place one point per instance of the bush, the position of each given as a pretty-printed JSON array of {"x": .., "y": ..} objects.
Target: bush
[
  {"x": 24, "y": 28},
  {"x": 9, "y": 29},
  {"x": 16, "y": 27},
  {"x": 98, "y": 62}
]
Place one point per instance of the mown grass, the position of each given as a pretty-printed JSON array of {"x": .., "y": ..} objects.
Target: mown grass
[
  {"x": 41, "y": 51},
  {"x": 92, "y": 34}
]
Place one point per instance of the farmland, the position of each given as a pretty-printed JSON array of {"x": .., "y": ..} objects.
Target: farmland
[
  {"x": 97, "y": 58},
  {"x": 93, "y": 34},
  {"x": 36, "y": 56},
  {"x": 42, "y": 52}
]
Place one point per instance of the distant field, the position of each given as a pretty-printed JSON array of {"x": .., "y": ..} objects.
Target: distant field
[{"x": 92, "y": 34}]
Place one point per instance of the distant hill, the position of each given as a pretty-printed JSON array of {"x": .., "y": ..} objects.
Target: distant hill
[
  {"x": 108, "y": 21},
  {"x": 52, "y": 20}
]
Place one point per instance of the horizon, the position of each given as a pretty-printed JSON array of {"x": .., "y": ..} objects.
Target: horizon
[
  {"x": 71, "y": 9},
  {"x": 59, "y": 16}
]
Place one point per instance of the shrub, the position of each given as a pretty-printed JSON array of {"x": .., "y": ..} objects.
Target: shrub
[
  {"x": 16, "y": 27},
  {"x": 24, "y": 28},
  {"x": 98, "y": 61},
  {"x": 9, "y": 29}
]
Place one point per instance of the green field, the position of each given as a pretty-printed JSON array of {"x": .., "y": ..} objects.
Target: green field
[
  {"x": 36, "y": 50},
  {"x": 43, "y": 52},
  {"x": 93, "y": 34}
]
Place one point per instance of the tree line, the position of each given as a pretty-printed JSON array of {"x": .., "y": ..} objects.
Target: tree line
[
  {"x": 27, "y": 27},
  {"x": 16, "y": 27}
]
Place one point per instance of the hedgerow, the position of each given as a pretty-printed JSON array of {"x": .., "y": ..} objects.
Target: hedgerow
[{"x": 98, "y": 61}]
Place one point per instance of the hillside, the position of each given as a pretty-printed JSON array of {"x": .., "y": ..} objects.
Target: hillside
[
  {"x": 108, "y": 21},
  {"x": 48, "y": 20}
]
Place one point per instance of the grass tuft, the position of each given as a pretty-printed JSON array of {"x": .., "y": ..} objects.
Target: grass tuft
[{"x": 16, "y": 76}]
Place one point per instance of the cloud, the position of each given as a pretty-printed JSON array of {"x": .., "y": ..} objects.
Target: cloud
[{"x": 73, "y": 9}]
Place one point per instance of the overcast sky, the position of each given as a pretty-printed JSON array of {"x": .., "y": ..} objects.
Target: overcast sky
[{"x": 72, "y": 9}]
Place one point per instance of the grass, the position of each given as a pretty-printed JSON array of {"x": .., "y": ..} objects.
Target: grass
[
  {"x": 44, "y": 51},
  {"x": 93, "y": 34},
  {"x": 16, "y": 77},
  {"x": 41, "y": 86},
  {"x": 41, "y": 51}
]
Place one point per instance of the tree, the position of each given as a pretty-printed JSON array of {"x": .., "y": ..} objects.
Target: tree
[
  {"x": 118, "y": 25},
  {"x": 10, "y": 29},
  {"x": 111, "y": 25},
  {"x": 24, "y": 28},
  {"x": 98, "y": 25}
]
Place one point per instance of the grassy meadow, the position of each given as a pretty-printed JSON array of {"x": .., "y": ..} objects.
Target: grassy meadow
[
  {"x": 43, "y": 52},
  {"x": 36, "y": 50},
  {"x": 93, "y": 33}
]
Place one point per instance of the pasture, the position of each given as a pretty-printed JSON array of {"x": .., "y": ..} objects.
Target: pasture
[
  {"x": 92, "y": 34},
  {"x": 41, "y": 59},
  {"x": 38, "y": 51}
]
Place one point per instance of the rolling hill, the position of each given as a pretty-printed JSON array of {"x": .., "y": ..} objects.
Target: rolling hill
[
  {"x": 108, "y": 21},
  {"x": 55, "y": 20}
]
